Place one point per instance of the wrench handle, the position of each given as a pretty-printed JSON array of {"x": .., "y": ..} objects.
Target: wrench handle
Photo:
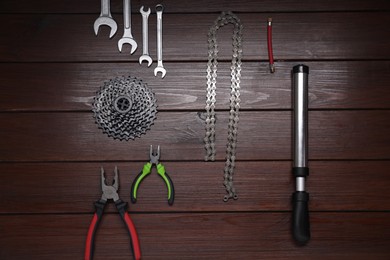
[
  {"x": 145, "y": 34},
  {"x": 159, "y": 11},
  {"x": 105, "y": 8},
  {"x": 126, "y": 13}
]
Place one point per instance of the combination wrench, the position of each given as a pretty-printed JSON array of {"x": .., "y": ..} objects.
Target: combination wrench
[
  {"x": 105, "y": 18},
  {"x": 160, "y": 67},
  {"x": 127, "y": 36},
  {"x": 145, "y": 34}
]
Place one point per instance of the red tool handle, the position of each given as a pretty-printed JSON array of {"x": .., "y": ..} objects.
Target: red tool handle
[
  {"x": 134, "y": 236},
  {"x": 88, "y": 254},
  {"x": 135, "y": 246},
  {"x": 122, "y": 208},
  {"x": 90, "y": 237}
]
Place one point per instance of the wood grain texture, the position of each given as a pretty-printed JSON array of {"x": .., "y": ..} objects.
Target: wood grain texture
[
  {"x": 72, "y": 86},
  {"x": 263, "y": 136},
  {"x": 51, "y": 150},
  {"x": 300, "y": 36},
  {"x": 198, "y": 236},
  {"x": 261, "y": 186},
  {"x": 187, "y": 6}
]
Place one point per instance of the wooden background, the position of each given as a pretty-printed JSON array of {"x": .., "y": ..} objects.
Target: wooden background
[{"x": 52, "y": 64}]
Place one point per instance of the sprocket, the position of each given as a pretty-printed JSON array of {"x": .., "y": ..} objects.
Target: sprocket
[{"x": 125, "y": 108}]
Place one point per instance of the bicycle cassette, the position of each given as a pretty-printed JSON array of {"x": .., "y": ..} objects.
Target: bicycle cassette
[{"x": 124, "y": 108}]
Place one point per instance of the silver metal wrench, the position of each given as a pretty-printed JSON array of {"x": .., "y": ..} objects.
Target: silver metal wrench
[
  {"x": 105, "y": 18},
  {"x": 160, "y": 67},
  {"x": 145, "y": 35},
  {"x": 127, "y": 36}
]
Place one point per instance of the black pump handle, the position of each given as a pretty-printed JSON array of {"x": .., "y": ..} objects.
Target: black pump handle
[{"x": 300, "y": 217}]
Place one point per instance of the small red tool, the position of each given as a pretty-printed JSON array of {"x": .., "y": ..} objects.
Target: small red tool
[{"x": 269, "y": 43}]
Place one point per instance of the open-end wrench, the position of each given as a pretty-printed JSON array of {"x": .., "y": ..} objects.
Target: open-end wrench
[
  {"x": 105, "y": 18},
  {"x": 145, "y": 34},
  {"x": 160, "y": 67},
  {"x": 127, "y": 36}
]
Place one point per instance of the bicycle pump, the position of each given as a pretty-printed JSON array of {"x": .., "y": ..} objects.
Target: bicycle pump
[{"x": 300, "y": 198}]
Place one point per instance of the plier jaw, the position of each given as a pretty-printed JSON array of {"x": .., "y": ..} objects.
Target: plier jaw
[
  {"x": 110, "y": 192},
  {"x": 154, "y": 158}
]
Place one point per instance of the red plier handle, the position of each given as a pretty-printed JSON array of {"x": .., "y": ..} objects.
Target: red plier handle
[{"x": 122, "y": 208}]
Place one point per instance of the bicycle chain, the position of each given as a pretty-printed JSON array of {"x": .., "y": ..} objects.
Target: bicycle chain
[
  {"x": 124, "y": 108},
  {"x": 224, "y": 19}
]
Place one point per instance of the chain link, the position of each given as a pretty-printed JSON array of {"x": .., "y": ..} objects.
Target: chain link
[{"x": 234, "y": 104}]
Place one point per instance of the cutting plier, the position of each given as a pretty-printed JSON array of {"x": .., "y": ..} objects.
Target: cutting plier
[
  {"x": 147, "y": 169},
  {"x": 111, "y": 193}
]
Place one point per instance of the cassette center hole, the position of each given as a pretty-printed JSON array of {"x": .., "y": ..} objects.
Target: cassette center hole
[{"x": 123, "y": 104}]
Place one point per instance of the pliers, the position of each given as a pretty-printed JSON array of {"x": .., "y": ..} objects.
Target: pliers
[
  {"x": 147, "y": 169},
  {"x": 110, "y": 193}
]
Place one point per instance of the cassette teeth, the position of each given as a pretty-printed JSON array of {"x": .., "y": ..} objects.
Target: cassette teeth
[{"x": 125, "y": 108}]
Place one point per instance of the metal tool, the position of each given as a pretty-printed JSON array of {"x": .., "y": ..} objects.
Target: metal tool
[
  {"x": 234, "y": 107},
  {"x": 125, "y": 108},
  {"x": 160, "y": 67},
  {"x": 127, "y": 36},
  {"x": 105, "y": 18},
  {"x": 111, "y": 193},
  {"x": 147, "y": 169},
  {"x": 145, "y": 35},
  {"x": 300, "y": 198}
]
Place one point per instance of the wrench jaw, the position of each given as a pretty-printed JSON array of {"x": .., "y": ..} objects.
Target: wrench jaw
[
  {"x": 143, "y": 12},
  {"x": 145, "y": 58},
  {"x": 105, "y": 21},
  {"x": 160, "y": 69},
  {"x": 128, "y": 40}
]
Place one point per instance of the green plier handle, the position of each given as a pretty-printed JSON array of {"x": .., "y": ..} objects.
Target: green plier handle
[{"x": 145, "y": 172}]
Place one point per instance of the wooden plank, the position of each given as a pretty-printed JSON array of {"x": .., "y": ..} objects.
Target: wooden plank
[
  {"x": 297, "y": 36},
  {"x": 333, "y": 85},
  {"x": 200, "y": 236},
  {"x": 262, "y": 136},
  {"x": 89, "y": 6},
  {"x": 51, "y": 150},
  {"x": 261, "y": 186}
]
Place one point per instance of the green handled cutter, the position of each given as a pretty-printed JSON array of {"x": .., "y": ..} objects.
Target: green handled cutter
[{"x": 147, "y": 169}]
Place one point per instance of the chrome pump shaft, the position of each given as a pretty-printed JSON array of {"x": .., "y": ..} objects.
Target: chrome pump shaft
[{"x": 300, "y": 198}]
